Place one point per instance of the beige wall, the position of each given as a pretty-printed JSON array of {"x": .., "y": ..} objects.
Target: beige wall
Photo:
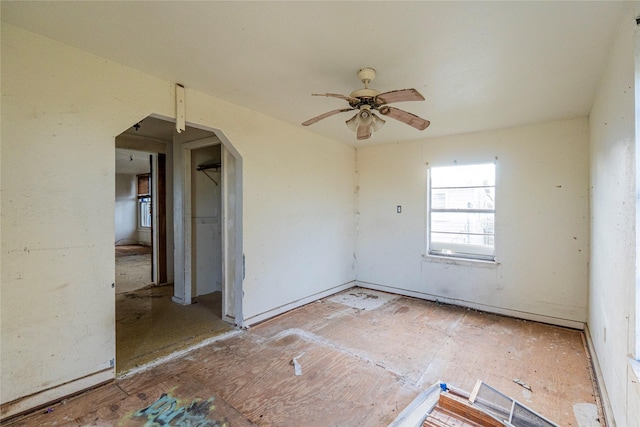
[
  {"x": 61, "y": 110},
  {"x": 542, "y": 223},
  {"x": 613, "y": 284}
]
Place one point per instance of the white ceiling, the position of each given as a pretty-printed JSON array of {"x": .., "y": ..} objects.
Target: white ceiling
[
  {"x": 480, "y": 65},
  {"x": 132, "y": 162}
]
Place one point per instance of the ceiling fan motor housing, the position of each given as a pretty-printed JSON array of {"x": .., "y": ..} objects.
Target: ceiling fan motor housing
[
  {"x": 366, "y": 75},
  {"x": 365, "y": 95}
]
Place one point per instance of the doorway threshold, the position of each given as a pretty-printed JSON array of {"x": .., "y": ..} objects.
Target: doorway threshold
[{"x": 178, "y": 353}]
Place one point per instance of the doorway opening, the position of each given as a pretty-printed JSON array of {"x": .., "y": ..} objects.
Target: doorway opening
[
  {"x": 164, "y": 304},
  {"x": 140, "y": 246}
]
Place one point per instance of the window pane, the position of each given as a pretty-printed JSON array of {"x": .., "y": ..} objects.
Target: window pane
[
  {"x": 462, "y": 245},
  {"x": 463, "y": 198},
  {"x": 144, "y": 204},
  {"x": 465, "y": 239},
  {"x": 462, "y": 223}
]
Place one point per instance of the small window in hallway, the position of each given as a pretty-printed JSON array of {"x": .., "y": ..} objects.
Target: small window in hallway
[
  {"x": 144, "y": 201},
  {"x": 461, "y": 211}
]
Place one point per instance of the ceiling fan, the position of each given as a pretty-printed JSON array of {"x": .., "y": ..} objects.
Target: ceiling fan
[{"x": 368, "y": 100}]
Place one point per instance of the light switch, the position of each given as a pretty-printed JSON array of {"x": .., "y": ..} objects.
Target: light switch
[{"x": 399, "y": 209}]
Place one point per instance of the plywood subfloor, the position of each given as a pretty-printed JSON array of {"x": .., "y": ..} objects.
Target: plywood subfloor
[{"x": 359, "y": 367}]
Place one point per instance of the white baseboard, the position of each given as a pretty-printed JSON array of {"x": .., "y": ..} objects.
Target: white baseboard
[
  {"x": 609, "y": 420},
  {"x": 53, "y": 394},
  {"x": 573, "y": 324},
  {"x": 295, "y": 304}
]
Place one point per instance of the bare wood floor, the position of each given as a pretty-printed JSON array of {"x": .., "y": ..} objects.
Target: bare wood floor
[{"x": 364, "y": 356}]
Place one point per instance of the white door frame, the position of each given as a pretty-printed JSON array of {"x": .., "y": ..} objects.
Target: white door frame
[
  {"x": 231, "y": 224},
  {"x": 155, "y": 277}
]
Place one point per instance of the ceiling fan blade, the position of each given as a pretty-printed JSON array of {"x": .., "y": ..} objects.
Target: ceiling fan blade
[
  {"x": 405, "y": 117},
  {"x": 364, "y": 131},
  {"x": 399, "y": 96},
  {"x": 324, "y": 116},
  {"x": 337, "y": 95}
]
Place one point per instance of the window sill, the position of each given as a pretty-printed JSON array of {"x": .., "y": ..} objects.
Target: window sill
[{"x": 460, "y": 261}]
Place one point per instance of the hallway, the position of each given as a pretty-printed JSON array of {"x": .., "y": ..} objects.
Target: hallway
[{"x": 149, "y": 325}]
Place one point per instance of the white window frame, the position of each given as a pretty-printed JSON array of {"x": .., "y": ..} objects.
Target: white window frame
[{"x": 449, "y": 250}]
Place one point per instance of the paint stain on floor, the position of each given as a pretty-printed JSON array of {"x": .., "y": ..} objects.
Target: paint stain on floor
[
  {"x": 363, "y": 299},
  {"x": 170, "y": 411}
]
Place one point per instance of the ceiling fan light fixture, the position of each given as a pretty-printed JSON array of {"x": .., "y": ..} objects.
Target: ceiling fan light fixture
[
  {"x": 352, "y": 123},
  {"x": 376, "y": 122},
  {"x": 364, "y": 117}
]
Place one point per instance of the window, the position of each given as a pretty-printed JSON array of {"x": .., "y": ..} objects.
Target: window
[
  {"x": 144, "y": 201},
  {"x": 461, "y": 213}
]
